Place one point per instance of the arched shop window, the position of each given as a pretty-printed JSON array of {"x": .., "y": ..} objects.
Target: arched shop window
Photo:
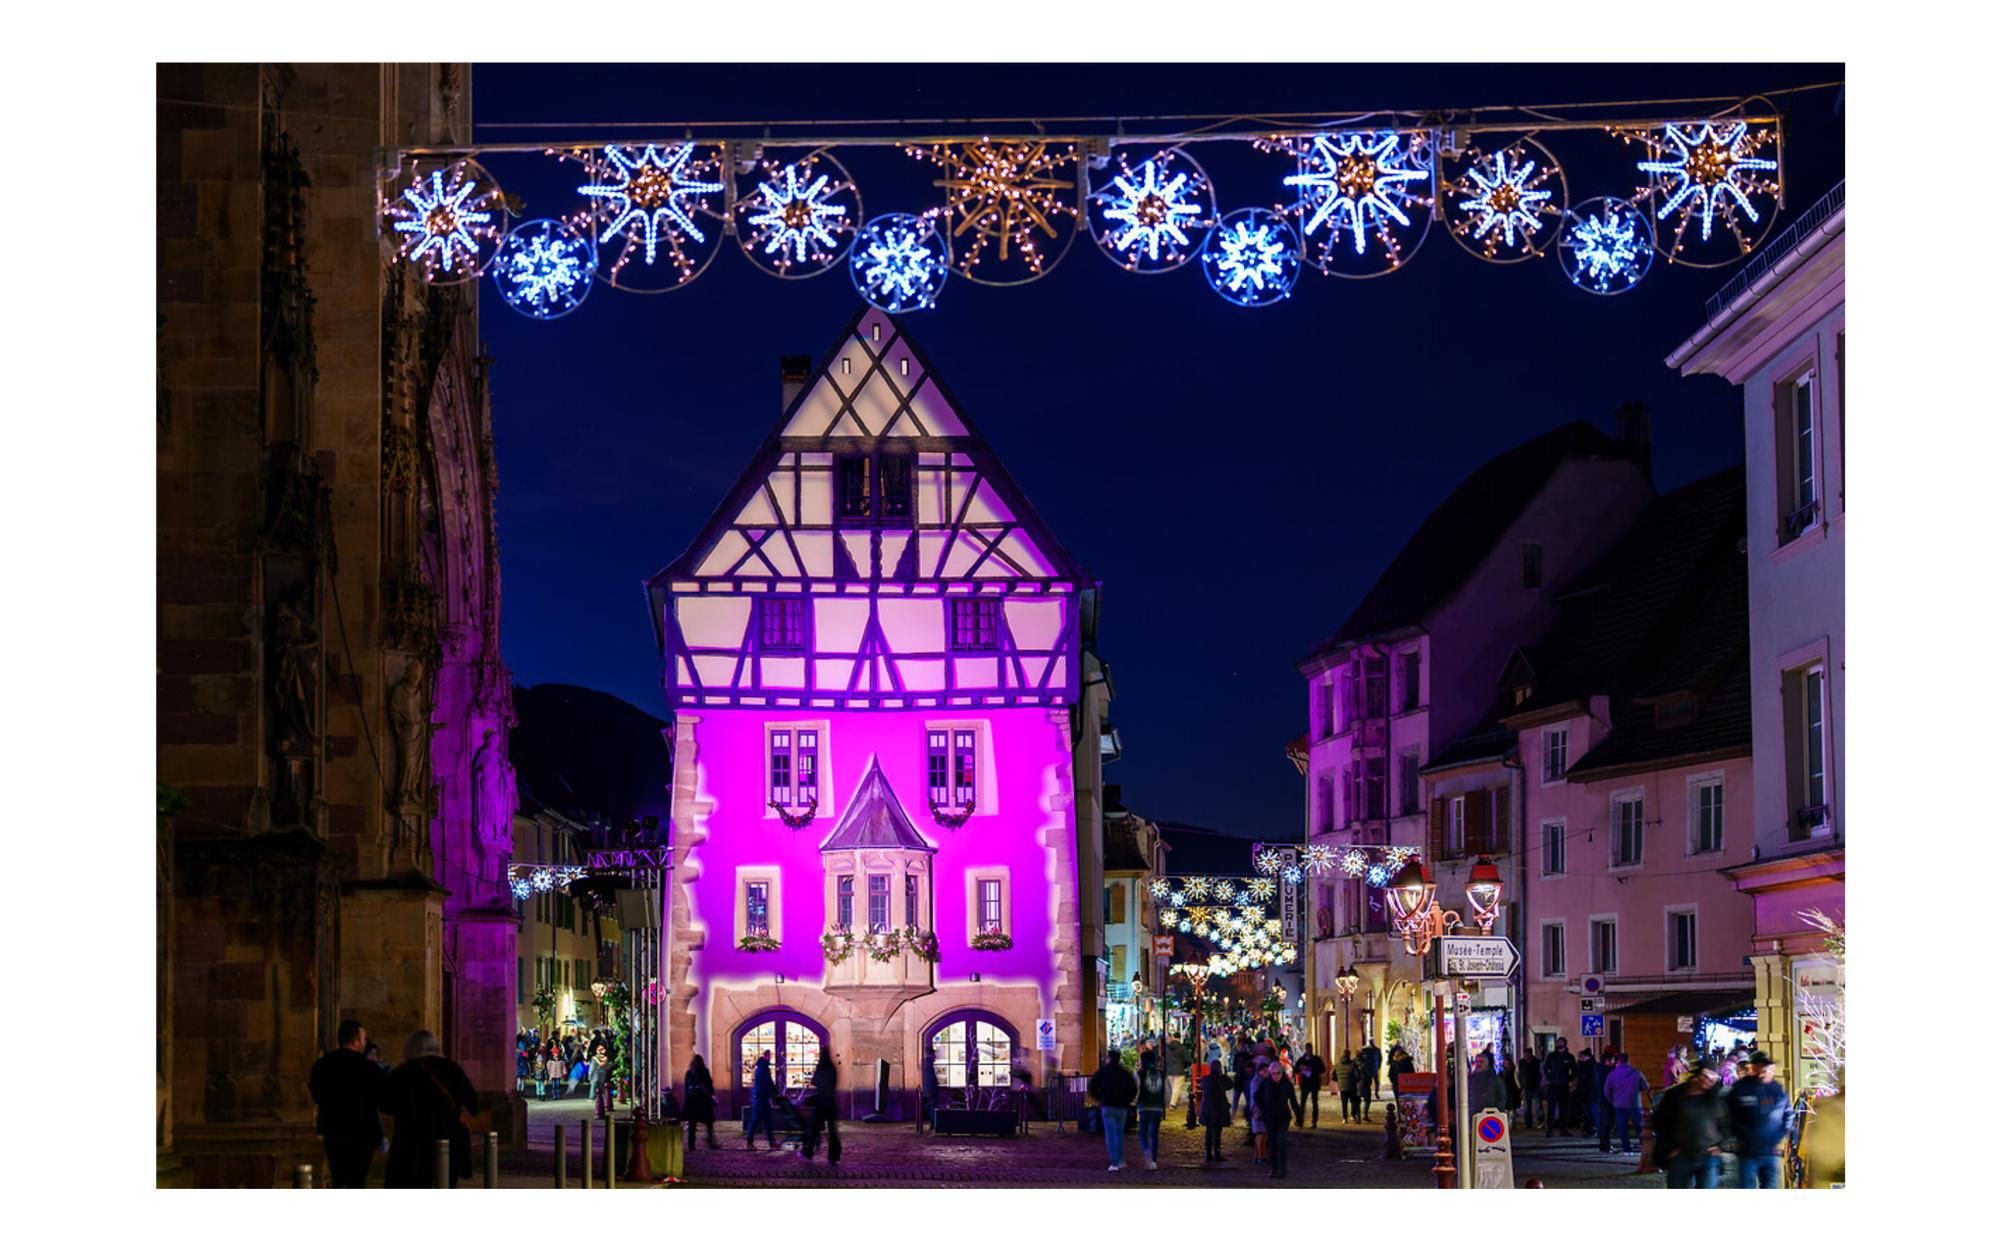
[
  {"x": 973, "y": 1048},
  {"x": 795, "y": 1043}
]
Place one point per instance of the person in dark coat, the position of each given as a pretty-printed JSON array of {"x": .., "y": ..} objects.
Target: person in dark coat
[
  {"x": 1311, "y": 1070},
  {"x": 1114, "y": 1089},
  {"x": 823, "y": 1103},
  {"x": 1690, "y": 1123},
  {"x": 698, "y": 1107},
  {"x": 1345, "y": 1076},
  {"x": 1242, "y": 1066},
  {"x": 348, "y": 1090},
  {"x": 1510, "y": 1085},
  {"x": 762, "y": 1090},
  {"x": 1558, "y": 1071},
  {"x": 1589, "y": 1086},
  {"x": 426, "y": 1095},
  {"x": 1278, "y": 1104},
  {"x": 1371, "y": 1067},
  {"x": 1400, "y": 1065},
  {"x": 1530, "y": 1076},
  {"x": 1214, "y": 1113},
  {"x": 927, "y": 1090}
]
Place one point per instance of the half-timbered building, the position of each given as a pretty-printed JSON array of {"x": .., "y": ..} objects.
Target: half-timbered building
[{"x": 872, "y": 651}]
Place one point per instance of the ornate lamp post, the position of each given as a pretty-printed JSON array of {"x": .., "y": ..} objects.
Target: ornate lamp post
[{"x": 1346, "y": 981}]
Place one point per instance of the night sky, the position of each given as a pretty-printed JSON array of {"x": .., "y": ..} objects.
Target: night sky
[{"x": 1236, "y": 478}]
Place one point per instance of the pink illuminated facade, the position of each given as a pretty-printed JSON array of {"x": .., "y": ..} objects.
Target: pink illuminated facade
[{"x": 872, "y": 653}]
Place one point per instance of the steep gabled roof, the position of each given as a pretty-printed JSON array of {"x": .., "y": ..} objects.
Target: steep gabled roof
[
  {"x": 1459, "y": 534},
  {"x": 875, "y": 818}
]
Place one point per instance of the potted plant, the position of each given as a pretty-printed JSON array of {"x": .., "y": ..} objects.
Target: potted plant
[
  {"x": 922, "y": 943},
  {"x": 751, "y": 942},
  {"x": 991, "y": 938},
  {"x": 883, "y": 946},
  {"x": 836, "y": 945}
]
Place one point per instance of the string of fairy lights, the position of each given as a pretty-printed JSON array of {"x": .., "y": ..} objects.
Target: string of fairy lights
[{"x": 649, "y": 217}]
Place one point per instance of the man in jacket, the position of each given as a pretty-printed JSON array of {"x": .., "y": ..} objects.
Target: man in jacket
[
  {"x": 1348, "y": 1077},
  {"x": 1152, "y": 1106},
  {"x": 1113, "y": 1089},
  {"x": 1690, "y": 1122},
  {"x": 430, "y": 1096},
  {"x": 1278, "y": 1105},
  {"x": 1761, "y": 1116},
  {"x": 762, "y": 1090},
  {"x": 1624, "y": 1089},
  {"x": 1529, "y": 1074},
  {"x": 1311, "y": 1070},
  {"x": 348, "y": 1091},
  {"x": 1241, "y": 1069},
  {"x": 1371, "y": 1067},
  {"x": 1558, "y": 1071},
  {"x": 1588, "y": 1089}
]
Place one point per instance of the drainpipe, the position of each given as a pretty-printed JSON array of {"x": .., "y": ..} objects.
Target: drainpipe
[{"x": 1520, "y": 922}]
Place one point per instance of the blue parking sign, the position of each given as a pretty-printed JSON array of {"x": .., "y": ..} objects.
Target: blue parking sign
[{"x": 1593, "y": 1026}]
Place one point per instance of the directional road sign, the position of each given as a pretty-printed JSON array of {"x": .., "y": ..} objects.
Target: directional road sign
[{"x": 1479, "y": 957}]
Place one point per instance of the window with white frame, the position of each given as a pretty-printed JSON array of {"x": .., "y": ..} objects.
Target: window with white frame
[
  {"x": 794, "y": 768},
  {"x": 1705, "y": 815},
  {"x": 878, "y": 902},
  {"x": 1604, "y": 944},
  {"x": 1555, "y": 754},
  {"x": 990, "y": 898},
  {"x": 1410, "y": 783},
  {"x": 1454, "y": 825},
  {"x": 1412, "y": 680},
  {"x": 1797, "y": 442},
  {"x": 1554, "y": 963},
  {"x": 953, "y": 766},
  {"x": 1812, "y": 723},
  {"x": 843, "y": 903},
  {"x": 1554, "y": 854},
  {"x": 757, "y": 909},
  {"x": 1681, "y": 951},
  {"x": 1628, "y": 827}
]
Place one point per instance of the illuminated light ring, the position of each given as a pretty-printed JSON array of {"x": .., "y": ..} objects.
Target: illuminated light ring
[
  {"x": 1713, "y": 171},
  {"x": 1252, "y": 258},
  {"x": 1269, "y": 861},
  {"x": 543, "y": 879},
  {"x": 1378, "y": 875},
  {"x": 655, "y": 211},
  {"x": 899, "y": 263},
  {"x": 801, "y": 219},
  {"x": 543, "y": 269},
  {"x": 446, "y": 219},
  {"x": 1153, "y": 217},
  {"x": 1365, "y": 199},
  {"x": 1005, "y": 205},
  {"x": 1606, "y": 247},
  {"x": 1263, "y": 888},
  {"x": 522, "y": 887},
  {"x": 1354, "y": 861},
  {"x": 1160, "y": 887},
  {"x": 1508, "y": 205},
  {"x": 1317, "y": 860}
]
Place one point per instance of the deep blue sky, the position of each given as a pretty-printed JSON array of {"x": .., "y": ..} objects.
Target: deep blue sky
[{"x": 1236, "y": 478}]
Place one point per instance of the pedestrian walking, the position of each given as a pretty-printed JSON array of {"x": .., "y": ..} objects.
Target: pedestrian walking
[
  {"x": 431, "y": 1098},
  {"x": 698, "y": 1106},
  {"x": 1214, "y": 1113},
  {"x": 1400, "y": 1065},
  {"x": 1588, "y": 1090},
  {"x": 1761, "y": 1116},
  {"x": 927, "y": 1090},
  {"x": 763, "y": 1090},
  {"x": 1278, "y": 1105},
  {"x": 1113, "y": 1089},
  {"x": 1676, "y": 1067},
  {"x": 348, "y": 1091},
  {"x": 823, "y": 1105},
  {"x": 1152, "y": 1106},
  {"x": 603, "y": 1086},
  {"x": 1510, "y": 1088},
  {"x": 1363, "y": 1094},
  {"x": 1242, "y": 1066},
  {"x": 1371, "y": 1068},
  {"x": 1311, "y": 1071},
  {"x": 1624, "y": 1089},
  {"x": 554, "y": 1073},
  {"x": 1558, "y": 1074},
  {"x": 1347, "y": 1078},
  {"x": 1259, "y": 1134},
  {"x": 1529, "y": 1073},
  {"x": 1690, "y": 1122}
]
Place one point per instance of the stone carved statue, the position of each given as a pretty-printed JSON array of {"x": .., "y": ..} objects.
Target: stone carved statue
[
  {"x": 493, "y": 781},
  {"x": 295, "y": 675},
  {"x": 409, "y": 719}
]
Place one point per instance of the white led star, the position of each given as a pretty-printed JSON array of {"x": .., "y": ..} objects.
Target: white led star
[
  {"x": 1606, "y": 249},
  {"x": 649, "y": 194},
  {"x": 1505, "y": 201},
  {"x": 1357, "y": 182},
  {"x": 543, "y": 269},
  {"x": 1263, "y": 888},
  {"x": 1268, "y": 861},
  {"x": 1196, "y": 887},
  {"x": 1149, "y": 211},
  {"x": 1252, "y": 259},
  {"x": 1159, "y": 887},
  {"x": 1354, "y": 861},
  {"x": 1292, "y": 874},
  {"x": 445, "y": 224},
  {"x": 1179, "y": 898},
  {"x": 1706, "y": 171},
  {"x": 1317, "y": 859},
  {"x": 899, "y": 263},
  {"x": 1225, "y": 891},
  {"x": 796, "y": 221}
]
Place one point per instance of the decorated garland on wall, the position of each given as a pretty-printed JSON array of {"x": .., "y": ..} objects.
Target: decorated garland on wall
[{"x": 1358, "y": 203}]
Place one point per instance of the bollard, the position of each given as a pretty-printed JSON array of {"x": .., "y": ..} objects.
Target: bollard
[
  {"x": 1646, "y": 1164},
  {"x": 640, "y": 1170},
  {"x": 492, "y": 1159},
  {"x": 1392, "y": 1138},
  {"x": 562, "y": 1155},
  {"x": 586, "y": 1154},
  {"x": 610, "y": 1153},
  {"x": 1445, "y": 1169},
  {"x": 443, "y": 1178},
  {"x": 302, "y": 1176}
]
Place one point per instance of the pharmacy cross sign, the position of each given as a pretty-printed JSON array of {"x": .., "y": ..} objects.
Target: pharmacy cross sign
[{"x": 1478, "y": 958}]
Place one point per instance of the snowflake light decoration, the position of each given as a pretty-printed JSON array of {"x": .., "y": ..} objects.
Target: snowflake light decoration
[
  {"x": 1378, "y": 875},
  {"x": 1168, "y": 917},
  {"x": 1353, "y": 861},
  {"x": 1363, "y": 188},
  {"x": 1201, "y": 915},
  {"x": 899, "y": 263},
  {"x": 1715, "y": 171},
  {"x": 1262, "y": 889},
  {"x": 1395, "y": 855},
  {"x": 1187, "y": 926},
  {"x": 1155, "y": 217},
  {"x": 1249, "y": 915},
  {"x": 1225, "y": 892},
  {"x": 1505, "y": 206},
  {"x": 1606, "y": 246},
  {"x": 1196, "y": 887},
  {"x": 1005, "y": 203},
  {"x": 543, "y": 879},
  {"x": 1318, "y": 860},
  {"x": 1292, "y": 874},
  {"x": 650, "y": 194},
  {"x": 522, "y": 887},
  {"x": 543, "y": 269},
  {"x": 1179, "y": 898},
  {"x": 1252, "y": 258},
  {"x": 450, "y": 220},
  {"x": 1159, "y": 887},
  {"x": 800, "y": 220},
  {"x": 1268, "y": 861},
  {"x": 1274, "y": 926}
]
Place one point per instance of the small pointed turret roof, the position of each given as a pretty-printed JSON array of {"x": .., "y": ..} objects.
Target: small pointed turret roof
[{"x": 875, "y": 817}]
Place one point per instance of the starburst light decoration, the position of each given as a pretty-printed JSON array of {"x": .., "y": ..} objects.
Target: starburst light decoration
[
  {"x": 1169, "y": 916},
  {"x": 1292, "y": 874},
  {"x": 1262, "y": 889},
  {"x": 1715, "y": 172},
  {"x": 1225, "y": 892},
  {"x": 1506, "y": 206},
  {"x": 1269, "y": 861},
  {"x": 1179, "y": 897},
  {"x": 1006, "y": 204},
  {"x": 543, "y": 879},
  {"x": 1248, "y": 914},
  {"x": 1252, "y": 258},
  {"x": 1396, "y": 855},
  {"x": 1318, "y": 860},
  {"x": 652, "y": 206},
  {"x": 1354, "y": 861},
  {"x": 543, "y": 269},
  {"x": 801, "y": 218},
  {"x": 448, "y": 219},
  {"x": 1364, "y": 198},
  {"x": 1160, "y": 887},
  {"x": 1153, "y": 217},
  {"x": 899, "y": 263},
  {"x": 522, "y": 887},
  {"x": 1606, "y": 246},
  {"x": 1196, "y": 887},
  {"x": 1378, "y": 875}
]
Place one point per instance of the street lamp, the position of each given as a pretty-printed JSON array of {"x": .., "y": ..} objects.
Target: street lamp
[{"x": 1345, "y": 981}]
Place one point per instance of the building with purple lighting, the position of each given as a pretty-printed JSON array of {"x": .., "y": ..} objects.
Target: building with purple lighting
[{"x": 885, "y": 797}]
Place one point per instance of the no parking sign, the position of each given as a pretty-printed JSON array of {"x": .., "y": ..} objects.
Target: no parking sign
[{"x": 1493, "y": 1160}]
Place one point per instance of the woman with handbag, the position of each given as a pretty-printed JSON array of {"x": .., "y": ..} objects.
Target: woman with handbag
[
  {"x": 699, "y": 1106},
  {"x": 432, "y": 1100}
]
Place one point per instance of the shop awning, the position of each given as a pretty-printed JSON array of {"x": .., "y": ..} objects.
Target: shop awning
[{"x": 1691, "y": 1003}]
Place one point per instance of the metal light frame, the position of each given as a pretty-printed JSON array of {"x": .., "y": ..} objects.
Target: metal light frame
[{"x": 1413, "y": 900}]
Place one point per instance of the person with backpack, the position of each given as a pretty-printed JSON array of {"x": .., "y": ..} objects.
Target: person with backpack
[
  {"x": 1214, "y": 1113},
  {"x": 1113, "y": 1089},
  {"x": 1152, "y": 1106}
]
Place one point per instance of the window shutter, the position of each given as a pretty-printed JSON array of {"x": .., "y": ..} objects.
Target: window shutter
[
  {"x": 1475, "y": 826},
  {"x": 1499, "y": 839},
  {"x": 1437, "y": 830}
]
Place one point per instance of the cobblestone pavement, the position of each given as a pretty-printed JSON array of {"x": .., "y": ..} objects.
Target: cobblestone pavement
[{"x": 895, "y": 1155}]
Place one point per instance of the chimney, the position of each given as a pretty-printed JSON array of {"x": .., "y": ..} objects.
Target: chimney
[
  {"x": 792, "y": 374},
  {"x": 1635, "y": 430}
]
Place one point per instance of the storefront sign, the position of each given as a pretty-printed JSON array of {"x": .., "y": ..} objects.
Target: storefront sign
[
  {"x": 1163, "y": 944},
  {"x": 1288, "y": 911},
  {"x": 1414, "y": 1123},
  {"x": 1684, "y": 1024}
]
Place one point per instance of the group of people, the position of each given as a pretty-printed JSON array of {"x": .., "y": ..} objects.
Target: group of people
[
  {"x": 429, "y": 1098},
  {"x": 553, "y": 1068}
]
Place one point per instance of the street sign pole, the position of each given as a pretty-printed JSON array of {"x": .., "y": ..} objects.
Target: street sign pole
[{"x": 1462, "y": 1122}]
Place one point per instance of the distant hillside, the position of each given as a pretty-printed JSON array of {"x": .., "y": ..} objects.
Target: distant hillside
[{"x": 584, "y": 753}]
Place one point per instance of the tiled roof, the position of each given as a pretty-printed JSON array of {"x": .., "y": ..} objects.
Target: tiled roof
[
  {"x": 874, "y": 817},
  {"x": 1452, "y": 541}
]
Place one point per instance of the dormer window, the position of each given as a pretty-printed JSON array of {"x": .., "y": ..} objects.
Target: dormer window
[
  {"x": 852, "y": 488},
  {"x": 875, "y": 488}
]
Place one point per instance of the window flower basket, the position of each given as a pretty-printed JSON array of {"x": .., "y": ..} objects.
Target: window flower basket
[
  {"x": 755, "y": 942},
  {"x": 799, "y": 821},
  {"x": 922, "y": 943},
  {"x": 882, "y": 947},
  {"x": 992, "y": 940},
  {"x": 948, "y": 818},
  {"x": 836, "y": 945}
]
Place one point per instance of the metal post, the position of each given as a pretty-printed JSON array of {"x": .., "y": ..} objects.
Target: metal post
[
  {"x": 492, "y": 1160},
  {"x": 586, "y": 1154},
  {"x": 610, "y": 1153},
  {"x": 302, "y": 1176},
  {"x": 442, "y": 1180},
  {"x": 1460, "y": 1065},
  {"x": 562, "y": 1156}
]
